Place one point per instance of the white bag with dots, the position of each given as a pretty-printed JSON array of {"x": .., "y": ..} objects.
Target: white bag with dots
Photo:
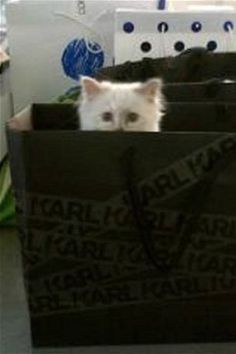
[{"x": 155, "y": 33}]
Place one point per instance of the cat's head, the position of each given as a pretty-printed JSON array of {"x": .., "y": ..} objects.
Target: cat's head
[{"x": 120, "y": 106}]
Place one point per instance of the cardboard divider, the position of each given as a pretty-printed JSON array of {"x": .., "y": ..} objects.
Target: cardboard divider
[
  {"x": 200, "y": 116},
  {"x": 207, "y": 91},
  {"x": 180, "y": 116},
  {"x": 54, "y": 116}
]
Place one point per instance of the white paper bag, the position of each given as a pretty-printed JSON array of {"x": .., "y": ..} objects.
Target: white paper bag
[{"x": 53, "y": 42}]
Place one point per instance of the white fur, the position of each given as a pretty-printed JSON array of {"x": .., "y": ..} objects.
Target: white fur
[{"x": 119, "y": 98}]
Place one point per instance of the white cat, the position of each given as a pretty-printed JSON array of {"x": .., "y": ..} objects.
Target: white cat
[
  {"x": 113, "y": 106},
  {"x": 121, "y": 106}
]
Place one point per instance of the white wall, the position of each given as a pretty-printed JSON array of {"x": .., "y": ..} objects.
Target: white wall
[
  {"x": 180, "y": 5},
  {"x": 5, "y": 109}
]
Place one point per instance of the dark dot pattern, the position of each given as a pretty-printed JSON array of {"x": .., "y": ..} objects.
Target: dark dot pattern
[
  {"x": 145, "y": 47},
  {"x": 162, "y": 27},
  {"x": 128, "y": 27},
  {"x": 179, "y": 46},
  {"x": 196, "y": 26},
  {"x": 211, "y": 45}
]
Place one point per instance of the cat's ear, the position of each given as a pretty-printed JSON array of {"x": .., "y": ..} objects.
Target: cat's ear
[
  {"x": 90, "y": 87},
  {"x": 150, "y": 88}
]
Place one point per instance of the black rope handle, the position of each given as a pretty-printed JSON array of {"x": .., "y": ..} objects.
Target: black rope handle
[
  {"x": 142, "y": 224},
  {"x": 200, "y": 193}
]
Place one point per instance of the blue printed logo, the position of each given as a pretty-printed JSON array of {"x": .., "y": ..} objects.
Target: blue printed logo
[{"x": 82, "y": 57}]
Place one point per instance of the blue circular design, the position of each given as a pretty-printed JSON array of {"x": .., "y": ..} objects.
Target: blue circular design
[
  {"x": 162, "y": 27},
  {"x": 128, "y": 27},
  {"x": 82, "y": 57},
  {"x": 211, "y": 45},
  {"x": 196, "y": 26},
  {"x": 228, "y": 25},
  {"x": 179, "y": 46}
]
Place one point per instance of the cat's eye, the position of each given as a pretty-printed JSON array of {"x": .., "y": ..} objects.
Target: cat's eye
[
  {"x": 107, "y": 117},
  {"x": 132, "y": 117}
]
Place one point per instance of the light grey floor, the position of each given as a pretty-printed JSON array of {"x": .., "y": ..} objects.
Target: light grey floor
[{"x": 14, "y": 319}]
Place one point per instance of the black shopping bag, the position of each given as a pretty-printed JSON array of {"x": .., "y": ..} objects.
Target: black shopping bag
[
  {"x": 126, "y": 237},
  {"x": 193, "y": 65}
]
